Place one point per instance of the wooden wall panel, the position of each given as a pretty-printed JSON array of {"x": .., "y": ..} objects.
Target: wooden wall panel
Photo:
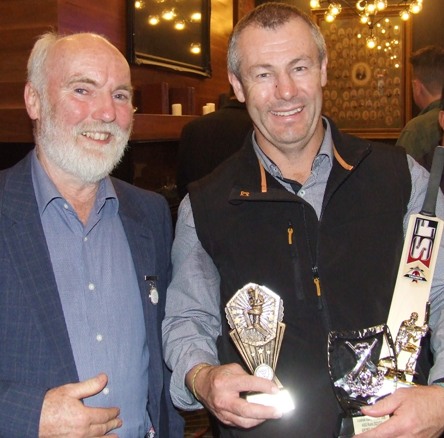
[{"x": 21, "y": 21}]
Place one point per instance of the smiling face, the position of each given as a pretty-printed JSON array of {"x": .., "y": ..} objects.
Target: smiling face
[
  {"x": 281, "y": 80},
  {"x": 84, "y": 116}
]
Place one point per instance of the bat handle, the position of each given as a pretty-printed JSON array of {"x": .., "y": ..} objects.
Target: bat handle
[{"x": 429, "y": 206}]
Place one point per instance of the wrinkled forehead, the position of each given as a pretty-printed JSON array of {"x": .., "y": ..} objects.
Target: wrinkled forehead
[{"x": 87, "y": 54}]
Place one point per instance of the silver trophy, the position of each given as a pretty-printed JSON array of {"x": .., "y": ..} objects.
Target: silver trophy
[
  {"x": 255, "y": 315},
  {"x": 366, "y": 365}
]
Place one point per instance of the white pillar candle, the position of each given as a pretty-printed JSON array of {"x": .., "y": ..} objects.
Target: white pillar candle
[{"x": 176, "y": 109}]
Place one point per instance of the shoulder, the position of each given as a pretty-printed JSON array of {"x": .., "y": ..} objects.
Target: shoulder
[{"x": 133, "y": 198}]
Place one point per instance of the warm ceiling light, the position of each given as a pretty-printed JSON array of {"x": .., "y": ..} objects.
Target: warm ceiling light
[
  {"x": 329, "y": 18},
  {"x": 315, "y": 4},
  {"x": 404, "y": 14},
  {"x": 153, "y": 20},
  {"x": 168, "y": 14},
  {"x": 196, "y": 17},
  {"x": 381, "y": 4},
  {"x": 138, "y": 4},
  {"x": 371, "y": 42},
  {"x": 415, "y": 7},
  {"x": 179, "y": 25},
  {"x": 195, "y": 48}
]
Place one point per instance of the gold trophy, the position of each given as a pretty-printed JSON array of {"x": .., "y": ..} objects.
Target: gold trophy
[{"x": 255, "y": 315}]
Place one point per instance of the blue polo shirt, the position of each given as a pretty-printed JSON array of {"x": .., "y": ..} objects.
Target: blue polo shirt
[{"x": 100, "y": 296}]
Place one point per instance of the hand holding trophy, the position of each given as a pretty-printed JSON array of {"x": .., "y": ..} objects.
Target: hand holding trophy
[{"x": 255, "y": 316}]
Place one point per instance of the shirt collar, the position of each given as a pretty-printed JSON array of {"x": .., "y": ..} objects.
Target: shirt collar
[
  {"x": 46, "y": 191},
  {"x": 325, "y": 150}
]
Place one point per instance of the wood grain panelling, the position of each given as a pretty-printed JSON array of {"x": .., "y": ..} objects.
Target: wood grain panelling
[{"x": 21, "y": 21}]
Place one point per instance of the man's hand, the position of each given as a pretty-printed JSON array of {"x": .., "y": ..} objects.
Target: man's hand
[
  {"x": 415, "y": 412},
  {"x": 218, "y": 388},
  {"x": 64, "y": 414}
]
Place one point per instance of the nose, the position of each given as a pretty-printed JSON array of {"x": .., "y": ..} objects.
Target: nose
[
  {"x": 105, "y": 109},
  {"x": 285, "y": 87}
]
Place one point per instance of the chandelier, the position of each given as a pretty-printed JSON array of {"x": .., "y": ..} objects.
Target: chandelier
[{"x": 369, "y": 12}]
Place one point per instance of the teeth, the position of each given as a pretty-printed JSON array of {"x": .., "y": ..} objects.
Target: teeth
[
  {"x": 96, "y": 135},
  {"x": 287, "y": 113}
]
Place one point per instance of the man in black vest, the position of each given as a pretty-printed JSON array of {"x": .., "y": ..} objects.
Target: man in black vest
[{"x": 313, "y": 215}]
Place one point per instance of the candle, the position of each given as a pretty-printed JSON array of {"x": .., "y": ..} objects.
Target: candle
[{"x": 176, "y": 109}]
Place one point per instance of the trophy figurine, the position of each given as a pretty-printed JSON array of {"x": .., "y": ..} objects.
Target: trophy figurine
[
  {"x": 255, "y": 316},
  {"x": 367, "y": 365}
]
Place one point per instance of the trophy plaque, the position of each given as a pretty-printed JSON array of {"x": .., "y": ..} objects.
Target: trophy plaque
[{"x": 255, "y": 316}]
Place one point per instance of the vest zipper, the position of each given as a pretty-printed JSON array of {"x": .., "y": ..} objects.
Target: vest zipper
[
  {"x": 317, "y": 283},
  {"x": 293, "y": 256}
]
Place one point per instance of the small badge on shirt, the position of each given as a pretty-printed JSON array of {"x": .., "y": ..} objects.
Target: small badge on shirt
[
  {"x": 151, "y": 433},
  {"x": 152, "y": 288}
]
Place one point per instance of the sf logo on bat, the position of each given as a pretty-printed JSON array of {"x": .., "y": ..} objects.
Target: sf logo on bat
[{"x": 421, "y": 248}]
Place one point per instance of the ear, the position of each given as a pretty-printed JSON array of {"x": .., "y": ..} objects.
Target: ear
[
  {"x": 324, "y": 71},
  {"x": 237, "y": 87},
  {"x": 32, "y": 101}
]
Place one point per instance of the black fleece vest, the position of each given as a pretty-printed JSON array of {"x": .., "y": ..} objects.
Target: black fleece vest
[{"x": 256, "y": 231}]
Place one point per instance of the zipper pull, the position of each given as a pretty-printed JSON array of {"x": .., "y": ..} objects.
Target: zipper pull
[
  {"x": 290, "y": 233},
  {"x": 317, "y": 283}
]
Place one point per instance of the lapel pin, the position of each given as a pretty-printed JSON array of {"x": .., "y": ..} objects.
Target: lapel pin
[{"x": 153, "y": 293}]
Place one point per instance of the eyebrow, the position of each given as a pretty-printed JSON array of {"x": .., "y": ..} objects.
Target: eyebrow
[{"x": 86, "y": 80}]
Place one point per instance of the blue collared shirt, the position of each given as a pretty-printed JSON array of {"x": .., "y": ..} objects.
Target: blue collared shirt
[{"x": 100, "y": 297}]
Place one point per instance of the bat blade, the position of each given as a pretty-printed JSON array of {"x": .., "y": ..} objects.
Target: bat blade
[{"x": 418, "y": 259}]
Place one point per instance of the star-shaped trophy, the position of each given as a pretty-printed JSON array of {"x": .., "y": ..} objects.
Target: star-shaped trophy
[{"x": 255, "y": 315}]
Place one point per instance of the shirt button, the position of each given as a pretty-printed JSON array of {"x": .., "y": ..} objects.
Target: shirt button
[
  {"x": 85, "y": 238},
  {"x": 301, "y": 193},
  {"x": 99, "y": 338},
  {"x": 106, "y": 391},
  {"x": 91, "y": 286},
  {"x": 65, "y": 206}
]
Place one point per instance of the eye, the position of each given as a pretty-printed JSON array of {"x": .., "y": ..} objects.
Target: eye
[
  {"x": 124, "y": 97},
  {"x": 81, "y": 91}
]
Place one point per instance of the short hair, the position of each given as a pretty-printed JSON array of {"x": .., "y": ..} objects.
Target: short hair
[
  {"x": 270, "y": 16},
  {"x": 37, "y": 59},
  {"x": 428, "y": 67}
]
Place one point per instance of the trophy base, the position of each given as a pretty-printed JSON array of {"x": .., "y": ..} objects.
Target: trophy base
[
  {"x": 282, "y": 400},
  {"x": 351, "y": 426}
]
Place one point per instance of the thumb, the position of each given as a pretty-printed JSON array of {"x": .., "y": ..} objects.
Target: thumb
[{"x": 89, "y": 387}]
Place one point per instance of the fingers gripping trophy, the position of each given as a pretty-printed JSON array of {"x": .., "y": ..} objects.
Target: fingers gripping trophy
[{"x": 255, "y": 315}]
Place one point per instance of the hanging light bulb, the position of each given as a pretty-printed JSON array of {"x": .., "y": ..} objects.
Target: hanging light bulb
[
  {"x": 381, "y": 4},
  {"x": 415, "y": 7},
  {"x": 334, "y": 9},
  {"x": 404, "y": 14},
  {"x": 371, "y": 41},
  {"x": 196, "y": 17},
  {"x": 315, "y": 4},
  {"x": 168, "y": 14},
  {"x": 179, "y": 25},
  {"x": 328, "y": 17},
  {"x": 195, "y": 48},
  {"x": 153, "y": 20},
  {"x": 360, "y": 5}
]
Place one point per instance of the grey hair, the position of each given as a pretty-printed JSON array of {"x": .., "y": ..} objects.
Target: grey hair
[
  {"x": 270, "y": 16},
  {"x": 37, "y": 59}
]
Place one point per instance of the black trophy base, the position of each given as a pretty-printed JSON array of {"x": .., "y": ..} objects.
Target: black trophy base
[{"x": 351, "y": 426}]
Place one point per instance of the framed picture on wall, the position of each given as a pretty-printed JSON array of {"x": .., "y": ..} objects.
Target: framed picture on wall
[
  {"x": 170, "y": 34},
  {"x": 368, "y": 89}
]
